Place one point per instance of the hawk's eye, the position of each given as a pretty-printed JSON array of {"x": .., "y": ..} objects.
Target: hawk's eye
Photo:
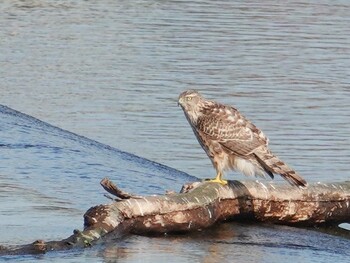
[{"x": 188, "y": 98}]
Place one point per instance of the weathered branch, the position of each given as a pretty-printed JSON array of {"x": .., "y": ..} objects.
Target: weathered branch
[
  {"x": 114, "y": 190},
  {"x": 208, "y": 203},
  {"x": 200, "y": 205}
]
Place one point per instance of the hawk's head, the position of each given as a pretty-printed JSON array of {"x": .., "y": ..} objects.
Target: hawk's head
[{"x": 191, "y": 102}]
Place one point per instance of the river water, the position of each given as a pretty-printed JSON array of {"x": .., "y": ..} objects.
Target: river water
[{"x": 111, "y": 71}]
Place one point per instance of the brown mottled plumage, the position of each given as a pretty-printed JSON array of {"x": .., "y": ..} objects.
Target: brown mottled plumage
[{"x": 231, "y": 141}]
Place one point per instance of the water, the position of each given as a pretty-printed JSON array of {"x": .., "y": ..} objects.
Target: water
[{"x": 112, "y": 70}]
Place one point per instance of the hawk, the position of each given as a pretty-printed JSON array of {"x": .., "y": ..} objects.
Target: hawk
[{"x": 231, "y": 141}]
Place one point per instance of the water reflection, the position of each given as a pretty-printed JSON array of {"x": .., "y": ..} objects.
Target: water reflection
[{"x": 226, "y": 243}]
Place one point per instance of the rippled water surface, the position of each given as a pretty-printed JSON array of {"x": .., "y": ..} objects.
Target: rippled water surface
[{"x": 112, "y": 71}]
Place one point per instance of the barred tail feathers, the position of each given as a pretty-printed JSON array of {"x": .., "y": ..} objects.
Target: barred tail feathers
[{"x": 272, "y": 163}]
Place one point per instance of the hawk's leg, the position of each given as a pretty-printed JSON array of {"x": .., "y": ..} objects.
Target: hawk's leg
[{"x": 218, "y": 179}]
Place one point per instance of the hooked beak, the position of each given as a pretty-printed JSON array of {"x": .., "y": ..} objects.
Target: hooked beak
[{"x": 179, "y": 102}]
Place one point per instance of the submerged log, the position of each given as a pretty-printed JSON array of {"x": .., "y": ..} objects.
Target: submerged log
[{"x": 200, "y": 205}]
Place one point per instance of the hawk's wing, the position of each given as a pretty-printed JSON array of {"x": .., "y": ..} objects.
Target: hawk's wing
[{"x": 232, "y": 130}]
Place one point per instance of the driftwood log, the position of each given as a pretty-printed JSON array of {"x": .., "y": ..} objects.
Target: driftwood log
[{"x": 200, "y": 205}]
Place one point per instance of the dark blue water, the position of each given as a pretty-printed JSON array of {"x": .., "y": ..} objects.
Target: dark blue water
[{"x": 51, "y": 176}]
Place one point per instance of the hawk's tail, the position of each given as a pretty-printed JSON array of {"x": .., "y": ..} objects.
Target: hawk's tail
[{"x": 272, "y": 163}]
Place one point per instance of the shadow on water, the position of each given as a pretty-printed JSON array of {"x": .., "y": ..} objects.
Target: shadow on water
[{"x": 51, "y": 176}]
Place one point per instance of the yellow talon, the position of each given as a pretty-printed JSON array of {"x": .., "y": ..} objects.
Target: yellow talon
[{"x": 218, "y": 179}]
